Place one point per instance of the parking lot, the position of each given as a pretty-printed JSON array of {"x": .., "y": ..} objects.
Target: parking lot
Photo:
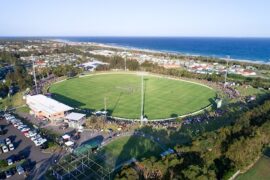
[{"x": 26, "y": 148}]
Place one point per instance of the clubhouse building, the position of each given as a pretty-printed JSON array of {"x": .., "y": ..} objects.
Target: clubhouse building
[
  {"x": 75, "y": 120},
  {"x": 44, "y": 107}
]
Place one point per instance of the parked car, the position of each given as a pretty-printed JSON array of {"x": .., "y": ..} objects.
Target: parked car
[
  {"x": 25, "y": 129},
  {"x": 2, "y": 143},
  {"x": 8, "y": 174},
  {"x": 31, "y": 134},
  {"x": 22, "y": 126},
  {"x": 20, "y": 169},
  {"x": 11, "y": 147},
  {"x": 16, "y": 124},
  {"x": 8, "y": 141},
  {"x": 8, "y": 118},
  {"x": 4, "y": 149},
  {"x": 39, "y": 141},
  {"x": 26, "y": 134},
  {"x": 35, "y": 137},
  {"x": 9, "y": 161}
]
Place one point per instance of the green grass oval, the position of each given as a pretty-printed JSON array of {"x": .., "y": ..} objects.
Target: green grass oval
[{"x": 163, "y": 97}]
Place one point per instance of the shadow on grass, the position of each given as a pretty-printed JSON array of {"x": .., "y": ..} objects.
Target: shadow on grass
[
  {"x": 183, "y": 137},
  {"x": 117, "y": 102},
  {"x": 73, "y": 103},
  {"x": 144, "y": 92},
  {"x": 67, "y": 100}
]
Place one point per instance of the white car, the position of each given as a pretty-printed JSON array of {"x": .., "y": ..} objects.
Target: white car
[
  {"x": 9, "y": 162},
  {"x": 25, "y": 129},
  {"x": 11, "y": 147},
  {"x": 31, "y": 134},
  {"x": 8, "y": 141},
  {"x": 22, "y": 127},
  {"x": 9, "y": 117},
  {"x": 17, "y": 124},
  {"x": 19, "y": 169},
  {"x": 14, "y": 120},
  {"x": 43, "y": 140},
  {"x": 7, "y": 114},
  {"x": 35, "y": 137},
  {"x": 38, "y": 143},
  {"x": 5, "y": 149}
]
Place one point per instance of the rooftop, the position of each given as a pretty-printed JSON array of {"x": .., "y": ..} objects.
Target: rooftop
[
  {"x": 43, "y": 103},
  {"x": 75, "y": 116}
]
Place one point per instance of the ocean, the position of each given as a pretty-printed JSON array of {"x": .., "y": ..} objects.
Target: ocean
[{"x": 248, "y": 49}]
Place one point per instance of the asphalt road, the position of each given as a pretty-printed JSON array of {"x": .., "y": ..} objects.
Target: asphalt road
[{"x": 25, "y": 146}]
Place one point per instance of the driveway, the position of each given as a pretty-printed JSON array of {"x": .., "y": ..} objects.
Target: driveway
[{"x": 25, "y": 146}]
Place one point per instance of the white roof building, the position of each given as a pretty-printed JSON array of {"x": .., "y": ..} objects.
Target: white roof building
[
  {"x": 75, "y": 116},
  {"x": 93, "y": 64},
  {"x": 46, "y": 104},
  {"x": 42, "y": 105},
  {"x": 75, "y": 120}
]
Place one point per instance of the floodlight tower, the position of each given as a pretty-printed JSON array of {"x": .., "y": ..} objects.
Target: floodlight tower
[
  {"x": 34, "y": 73},
  {"x": 105, "y": 103},
  {"x": 226, "y": 74},
  {"x": 125, "y": 60},
  {"x": 105, "y": 110},
  {"x": 142, "y": 99}
]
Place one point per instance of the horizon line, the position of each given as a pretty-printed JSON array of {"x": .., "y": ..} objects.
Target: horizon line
[{"x": 131, "y": 36}]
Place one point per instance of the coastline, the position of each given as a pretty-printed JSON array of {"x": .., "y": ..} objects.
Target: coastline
[{"x": 130, "y": 48}]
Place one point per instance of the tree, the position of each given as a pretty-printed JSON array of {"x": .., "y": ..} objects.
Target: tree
[{"x": 3, "y": 163}]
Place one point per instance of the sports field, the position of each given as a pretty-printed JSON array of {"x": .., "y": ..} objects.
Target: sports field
[
  {"x": 125, "y": 148},
  {"x": 163, "y": 98},
  {"x": 259, "y": 171}
]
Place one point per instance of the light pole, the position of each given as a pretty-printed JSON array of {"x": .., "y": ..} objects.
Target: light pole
[
  {"x": 226, "y": 74},
  {"x": 142, "y": 99},
  {"x": 105, "y": 109},
  {"x": 125, "y": 61},
  {"x": 34, "y": 74}
]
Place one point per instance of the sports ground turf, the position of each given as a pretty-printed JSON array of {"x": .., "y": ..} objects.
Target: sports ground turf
[
  {"x": 125, "y": 148},
  {"x": 163, "y": 98},
  {"x": 260, "y": 170}
]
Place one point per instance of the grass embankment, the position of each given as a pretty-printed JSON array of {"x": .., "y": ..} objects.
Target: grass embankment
[{"x": 12, "y": 101}]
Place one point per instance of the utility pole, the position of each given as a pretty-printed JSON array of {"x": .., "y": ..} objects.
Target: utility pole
[
  {"x": 105, "y": 109},
  {"x": 105, "y": 104},
  {"x": 34, "y": 74},
  {"x": 142, "y": 94},
  {"x": 125, "y": 61},
  {"x": 226, "y": 74}
]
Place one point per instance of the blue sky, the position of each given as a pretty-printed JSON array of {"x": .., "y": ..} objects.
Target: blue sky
[{"x": 233, "y": 18}]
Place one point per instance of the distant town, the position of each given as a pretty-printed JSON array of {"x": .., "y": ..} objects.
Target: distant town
[{"x": 44, "y": 54}]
